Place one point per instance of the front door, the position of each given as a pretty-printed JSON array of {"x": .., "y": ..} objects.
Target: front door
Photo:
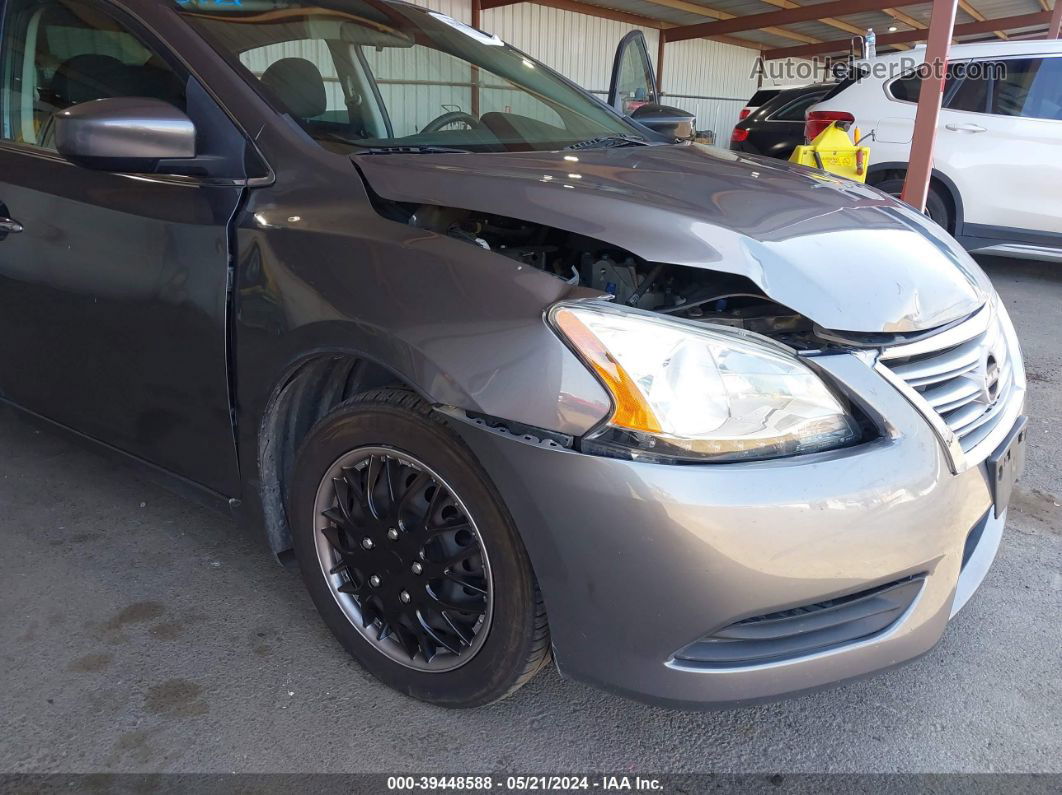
[{"x": 112, "y": 286}]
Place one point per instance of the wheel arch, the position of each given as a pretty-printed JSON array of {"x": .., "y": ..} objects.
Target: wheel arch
[
  {"x": 309, "y": 388},
  {"x": 882, "y": 171}
]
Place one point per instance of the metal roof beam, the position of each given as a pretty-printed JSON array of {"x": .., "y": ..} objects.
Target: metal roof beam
[
  {"x": 583, "y": 8},
  {"x": 906, "y": 19},
  {"x": 908, "y": 36},
  {"x": 715, "y": 13},
  {"x": 833, "y": 23},
  {"x": 966, "y": 6},
  {"x": 623, "y": 16},
  {"x": 832, "y": 8}
]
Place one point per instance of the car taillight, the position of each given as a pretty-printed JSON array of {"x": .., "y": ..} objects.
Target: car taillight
[
  {"x": 818, "y": 120},
  {"x": 740, "y": 134},
  {"x": 744, "y": 114}
]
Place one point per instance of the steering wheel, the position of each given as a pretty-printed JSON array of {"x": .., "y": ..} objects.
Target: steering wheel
[{"x": 452, "y": 117}]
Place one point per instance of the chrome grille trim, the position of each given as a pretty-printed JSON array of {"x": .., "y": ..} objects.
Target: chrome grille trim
[{"x": 968, "y": 382}]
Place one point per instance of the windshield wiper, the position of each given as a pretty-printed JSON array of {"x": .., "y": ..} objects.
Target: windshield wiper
[
  {"x": 426, "y": 149},
  {"x": 605, "y": 141},
  {"x": 396, "y": 149}
]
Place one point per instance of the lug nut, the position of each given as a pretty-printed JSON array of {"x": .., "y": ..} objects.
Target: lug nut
[
  {"x": 366, "y": 543},
  {"x": 404, "y": 596},
  {"x": 417, "y": 568},
  {"x": 374, "y": 581},
  {"x": 392, "y": 534}
]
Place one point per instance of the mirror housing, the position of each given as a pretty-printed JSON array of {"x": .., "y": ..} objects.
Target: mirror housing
[
  {"x": 666, "y": 121},
  {"x": 124, "y": 134}
]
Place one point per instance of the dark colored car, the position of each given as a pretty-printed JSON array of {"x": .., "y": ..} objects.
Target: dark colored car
[
  {"x": 776, "y": 128},
  {"x": 761, "y": 97},
  {"x": 510, "y": 375}
]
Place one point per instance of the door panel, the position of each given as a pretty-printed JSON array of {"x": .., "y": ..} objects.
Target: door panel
[
  {"x": 112, "y": 311},
  {"x": 113, "y": 296}
]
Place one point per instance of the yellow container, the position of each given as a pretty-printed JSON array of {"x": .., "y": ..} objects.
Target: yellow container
[{"x": 833, "y": 151}]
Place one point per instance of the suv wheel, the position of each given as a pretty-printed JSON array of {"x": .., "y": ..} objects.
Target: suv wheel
[
  {"x": 937, "y": 207},
  {"x": 410, "y": 555}
]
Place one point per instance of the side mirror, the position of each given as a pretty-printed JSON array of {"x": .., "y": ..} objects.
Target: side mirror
[
  {"x": 124, "y": 134},
  {"x": 667, "y": 121}
]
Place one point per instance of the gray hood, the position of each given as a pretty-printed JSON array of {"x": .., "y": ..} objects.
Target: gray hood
[{"x": 842, "y": 254}]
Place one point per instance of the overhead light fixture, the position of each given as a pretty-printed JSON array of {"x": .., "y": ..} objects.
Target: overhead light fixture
[{"x": 893, "y": 28}]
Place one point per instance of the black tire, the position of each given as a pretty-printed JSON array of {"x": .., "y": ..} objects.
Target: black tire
[
  {"x": 517, "y": 644},
  {"x": 937, "y": 207}
]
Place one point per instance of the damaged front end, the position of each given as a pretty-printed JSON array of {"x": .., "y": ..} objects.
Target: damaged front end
[
  {"x": 717, "y": 326},
  {"x": 706, "y": 320},
  {"x": 687, "y": 229},
  {"x": 617, "y": 275}
]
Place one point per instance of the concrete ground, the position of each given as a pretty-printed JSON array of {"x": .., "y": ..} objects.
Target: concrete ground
[{"x": 142, "y": 633}]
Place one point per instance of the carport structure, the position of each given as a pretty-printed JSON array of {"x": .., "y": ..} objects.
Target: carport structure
[
  {"x": 710, "y": 56},
  {"x": 789, "y": 29}
]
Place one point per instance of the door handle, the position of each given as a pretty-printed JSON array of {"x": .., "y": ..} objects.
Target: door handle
[
  {"x": 965, "y": 128},
  {"x": 9, "y": 226}
]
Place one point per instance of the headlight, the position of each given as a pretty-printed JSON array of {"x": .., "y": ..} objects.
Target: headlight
[{"x": 702, "y": 393}]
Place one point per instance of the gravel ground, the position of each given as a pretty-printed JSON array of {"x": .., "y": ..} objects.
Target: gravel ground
[{"x": 139, "y": 632}]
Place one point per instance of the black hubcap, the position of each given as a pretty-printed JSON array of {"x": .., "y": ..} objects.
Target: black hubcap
[{"x": 404, "y": 559}]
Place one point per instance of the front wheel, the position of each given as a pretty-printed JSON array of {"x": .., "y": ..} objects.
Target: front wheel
[{"x": 411, "y": 557}]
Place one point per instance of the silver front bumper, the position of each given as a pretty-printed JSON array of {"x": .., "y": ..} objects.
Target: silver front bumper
[{"x": 638, "y": 560}]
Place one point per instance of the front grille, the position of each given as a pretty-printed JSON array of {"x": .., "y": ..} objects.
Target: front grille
[
  {"x": 803, "y": 630},
  {"x": 968, "y": 382}
]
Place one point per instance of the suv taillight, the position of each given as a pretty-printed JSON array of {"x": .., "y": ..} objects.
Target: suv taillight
[
  {"x": 741, "y": 134},
  {"x": 818, "y": 120},
  {"x": 744, "y": 114}
]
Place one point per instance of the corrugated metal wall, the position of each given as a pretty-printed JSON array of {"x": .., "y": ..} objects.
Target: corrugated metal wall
[
  {"x": 709, "y": 68},
  {"x": 578, "y": 46}
]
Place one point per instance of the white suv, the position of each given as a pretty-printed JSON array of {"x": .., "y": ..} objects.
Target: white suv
[{"x": 997, "y": 161}]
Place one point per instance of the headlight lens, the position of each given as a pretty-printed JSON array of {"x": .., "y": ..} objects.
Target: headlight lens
[{"x": 702, "y": 393}]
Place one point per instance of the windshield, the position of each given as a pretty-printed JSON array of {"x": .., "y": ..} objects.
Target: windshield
[{"x": 359, "y": 74}]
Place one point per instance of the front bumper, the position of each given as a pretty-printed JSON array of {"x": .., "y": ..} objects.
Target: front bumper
[{"x": 637, "y": 561}]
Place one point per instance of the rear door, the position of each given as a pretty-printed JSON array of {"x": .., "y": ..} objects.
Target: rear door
[
  {"x": 113, "y": 291},
  {"x": 999, "y": 139}
]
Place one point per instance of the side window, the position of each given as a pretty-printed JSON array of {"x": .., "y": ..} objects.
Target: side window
[
  {"x": 796, "y": 109},
  {"x": 58, "y": 53},
  {"x": 1029, "y": 87},
  {"x": 907, "y": 87},
  {"x": 972, "y": 93},
  {"x": 762, "y": 97}
]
